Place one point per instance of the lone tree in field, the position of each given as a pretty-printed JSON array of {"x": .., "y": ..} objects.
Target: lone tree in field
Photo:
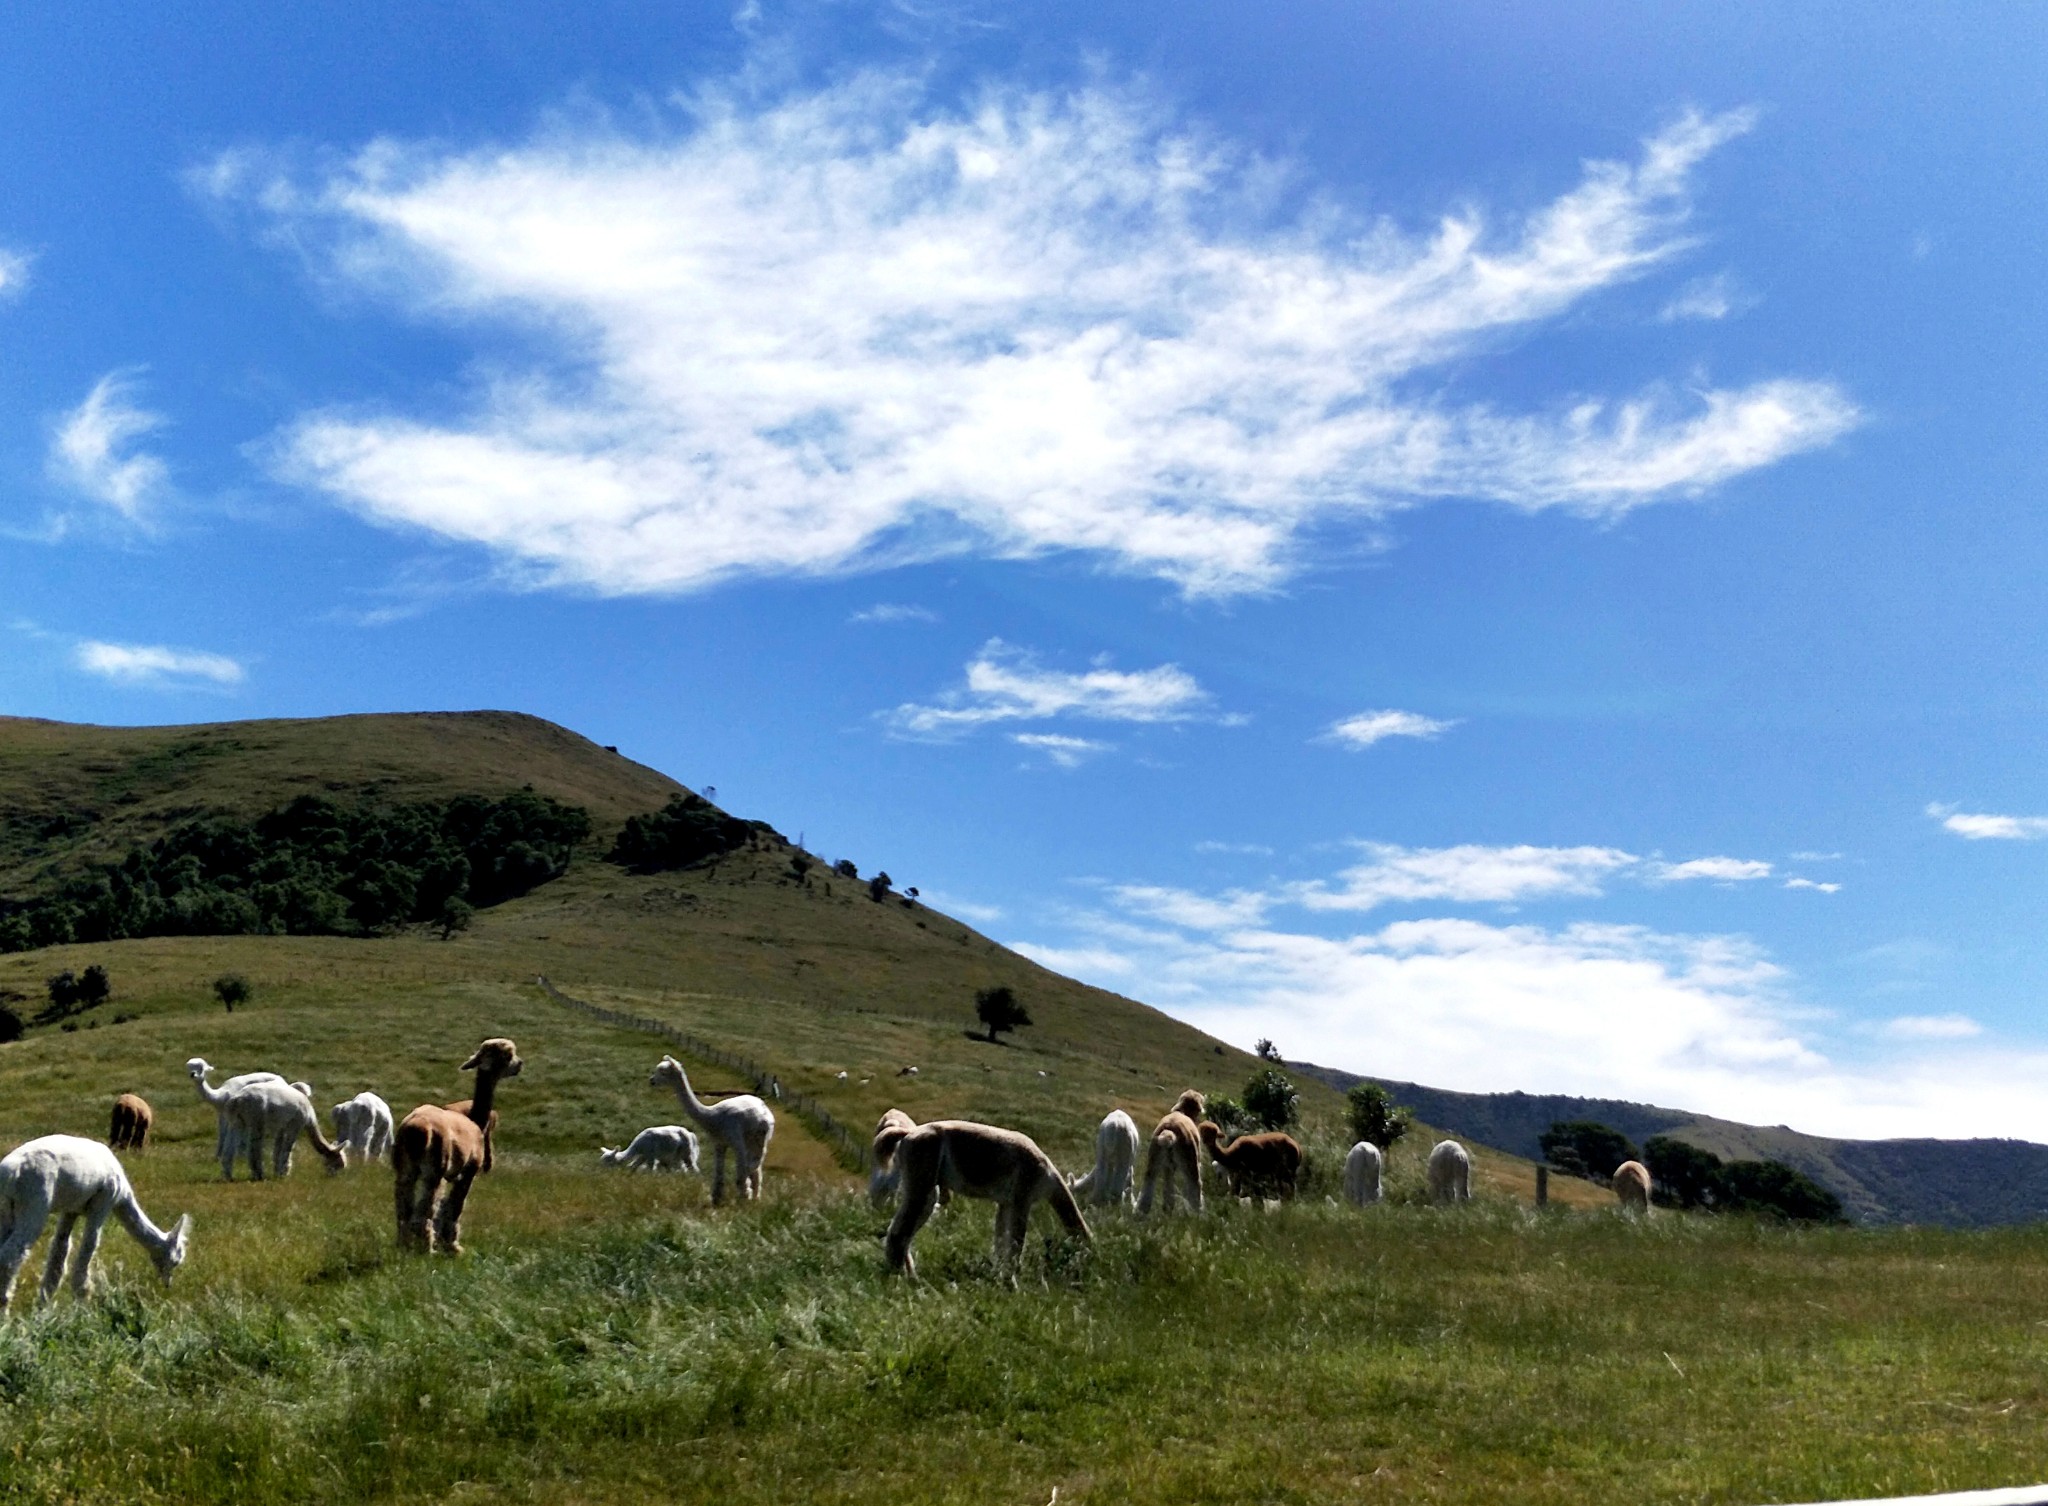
[
  {"x": 1264, "y": 1049},
  {"x": 232, "y": 989},
  {"x": 1586, "y": 1148},
  {"x": 1271, "y": 1100},
  {"x": 456, "y": 915},
  {"x": 998, "y": 1009},
  {"x": 11, "y": 1025},
  {"x": 94, "y": 987},
  {"x": 1373, "y": 1115}
]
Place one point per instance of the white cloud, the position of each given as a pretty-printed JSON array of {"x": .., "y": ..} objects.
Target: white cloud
[
  {"x": 1067, "y": 752},
  {"x": 1468, "y": 874},
  {"x": 1816, "y": 884},
  {"x": 853, "y": 327},
  {"x": 1932, "y": 1027},
  {"x": 156, "y": 664},
  {"x": 1709, "y": 298},
  {"x": 965, "y": 909},
  {"x": 1817, "y": 857},
  {"x": 1707, "y": 1023},
  {"x": 1007, "y": 684},
  {"x": 94, "y": 451},
  {"x": 1980, "y": 828},
  {"x": 1369, "y": 727},
  {"x": 13, "y": 272},
  {"x": 891, "y": 611},
  {"x": 1243, "y": 849},
  {"x": 1720, "y": 870}
]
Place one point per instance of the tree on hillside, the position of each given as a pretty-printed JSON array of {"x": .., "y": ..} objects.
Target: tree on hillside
[
  {"x": 878, "y": 887},
  {"x": 1772, "y": 1187},
  {"x": 1683, "y": 1175},
  {"x": 456, "y": 914},
  {"x": 846, "y": 868},
  {"x": 1271, "y": 1100},
  {"x": 1373, "y": 1115},
  {"x": 11, "y": 1025},
  {"x": 1266, "y": 1051},
  {"x": 1587, "y": 1148},
  {"x": 998, "y": 1009},
  {"x": 1231, "y": 1116},
  {"x": 232, "y": 989},
  {"x": 94, "y": 987}
]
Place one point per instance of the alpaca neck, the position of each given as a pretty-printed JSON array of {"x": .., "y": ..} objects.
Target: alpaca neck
[
  {"x": 698, "y": 1111},
  {"x": 208, "y": 1092},
  {"x": 486, "y": 1091},
  {"x": 148, "y": 1235}
]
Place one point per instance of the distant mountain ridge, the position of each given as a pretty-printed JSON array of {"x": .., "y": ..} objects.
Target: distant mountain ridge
[{"x": 1918, "y": 1181}]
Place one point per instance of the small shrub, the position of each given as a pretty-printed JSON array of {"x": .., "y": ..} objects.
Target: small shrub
[
  {"x": 1372, "y": 1114},
  {"x": 94, "y": 987},
  {"x": 845, "y": 869},
  {"x": 232, "y": 989},
  {"x": 1270, "y": 1099},
  {"x": 11, "y": 1025}
]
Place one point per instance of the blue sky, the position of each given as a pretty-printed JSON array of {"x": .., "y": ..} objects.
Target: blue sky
[{"x": 1503, "y": 551}]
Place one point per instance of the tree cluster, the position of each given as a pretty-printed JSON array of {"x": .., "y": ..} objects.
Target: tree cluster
[
  {"x": 313, "y": 867},
  {"x": 686, "y": 831},
  {"x": 1687, "y": 1177},
  {"x": 1373, "y": 1115},
  {"x": 1587, "y": 1148}
]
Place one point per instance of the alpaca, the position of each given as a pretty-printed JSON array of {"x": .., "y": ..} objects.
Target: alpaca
[
  {"x": 362, "y": 1126},
  {"x": 659, "y": 1147},
  {"x": 1362, "y": 1174},
  {"x": 1192, "y": 1104},
  {"x": 73, "y": 1178},
  {"x": 227, "y": 1143},
  {"x": 1450, "y": 1173},
  {"x": 1112, "y": 1179},
  {"x": 882, "y": 1180},
  {"x": 438, "y": 1152},
  {"x": 1254, "y": 1165},
  {"x": 131, "y": 1123},
  {"x": 976, "y": 1160},
  {"x": 274, "y": 1114},
  {"x": 1175, "y": 1153},
  {"x": 1632, "y": 1187},
  {"x": 742, "y": 1125}
]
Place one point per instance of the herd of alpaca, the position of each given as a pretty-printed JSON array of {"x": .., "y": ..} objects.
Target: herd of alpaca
[{"x": 438, "y": 1150}]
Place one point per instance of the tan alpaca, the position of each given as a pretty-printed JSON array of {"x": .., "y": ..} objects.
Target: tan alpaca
[
  {"x": 1632, "y": 1187},
  {"x": 1176, "y": 1154},
  {"x": 1254, "y": 1165},
  {"x": 131, "y": 1123},
  {"x": 1192, "y": 1104},
  {"x": 981, "y": 1161},
  {"x": 438, "y": 1152},
  {"x": 889, "y": 1132}
]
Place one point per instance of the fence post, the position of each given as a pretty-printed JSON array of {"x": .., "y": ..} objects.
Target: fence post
[{"x": 1542, "y": 1186}]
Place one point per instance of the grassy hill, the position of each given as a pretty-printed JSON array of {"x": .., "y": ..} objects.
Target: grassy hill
[
  {"x": 1917, "y": 1181},
  {"x": 611, "y": 1338}
]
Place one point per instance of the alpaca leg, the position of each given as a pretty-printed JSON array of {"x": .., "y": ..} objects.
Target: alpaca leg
[
  {"x": 88, "y": 1247},
  {"x": 60, "y": 1246},
  {"x": 718, "y": 1176},
  {"x": 405, "y": 1187},
  {"x": 23, "y": 1222},
  {"x": 425, "y": 1208},
  {"x": 252, "y": 1139},
  {"x": 911, "y": 1215},
  {"x": 448, "y": 1222}
]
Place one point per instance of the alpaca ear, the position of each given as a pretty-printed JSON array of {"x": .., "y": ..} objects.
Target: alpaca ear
[{"x": 475, "y": 1059}]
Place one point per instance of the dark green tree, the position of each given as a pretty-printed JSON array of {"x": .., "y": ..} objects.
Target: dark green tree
[
  {"x": 94, "y": 987},
  {"x": 232, "y": 989},
  {"x": 998, "y": 1009},
  {"x": 1778, "y": 1190},
  {"x": 63, "y": 992},
  {"x": 878, "y": 887},
  {"x": 1683, "y": 1175},
  {"x": 456, "y": 915},
  {"x": 1271, "y": 1100},
  {"x": 1586, "y": 1148},
  {"x": 11, "y": 1025},
  {"x": 846, "y": 868},
  {"x": 1372, "y": 1115},
  {"x": 1230, "y": 1116},
  {"x": 1266, "y": 1051}
]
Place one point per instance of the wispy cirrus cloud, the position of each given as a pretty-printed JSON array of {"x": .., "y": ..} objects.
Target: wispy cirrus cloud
[
  {"x": 157, "y": 665},
  {"x": 1068, "y": 752},
  {"x": 1008, "y": 684},
  {"x": 836, "y": 329},
  {"x": 893, "y": 611},
  {"x": 1932, "y": 1027},
  {"x": 1369, "y": 727},
  {"x": 1716, "y": 870},
  {"x": 1708, "y": 298},
  {"x": 94, "y": 451},
  {"x": 14, "y": 267},
  {"x": 1984, "y": 827},
  {"x": 1797, "y": 882}
]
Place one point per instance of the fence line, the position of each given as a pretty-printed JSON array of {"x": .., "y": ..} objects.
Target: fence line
[{"x": 850, "y": 1149}]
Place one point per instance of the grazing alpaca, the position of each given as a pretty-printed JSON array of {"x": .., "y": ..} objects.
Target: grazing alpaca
[
  {"x": 660, "y": 1147},
  {"x": 1176, "y": 1154},
  {"x": 1632, "y": 1186},
  {"x": 1254, "y": 1165},
  {"x": 438, "y": 1152},
  {"x": 131, "y": 1123},
  {"x": 1450, "y": 1173},
  {"x": 73, "y": 1178},
  {"x": 976, "y": 1160},
  {"x": 274, "y": 1114},
  {"x": 742, "y": 1125},
  {"x": 227, "y": 1142},
  {"x": 1113, "y": 1178},
  {"x": 1362, "y": 1174},
  {"x": 362, "y": 1126},
  {"x": 882, "y": 1180}
]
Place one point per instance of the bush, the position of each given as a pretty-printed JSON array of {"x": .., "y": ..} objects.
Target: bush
[
  {"x": 1231, "y": 1116},
  {"x": 878, "y": 887},
  {"x": 1586, "y": 1148},
  {"x": 686, "y": 831},
  {"x": 11, "y": 1025},
  {"x": 998, "y": 1009},
  {"x": 232, "y": 989},
  {"x": 1777, "y": 1190},
  {"x": 846, "y": 869},
  {"x": 1683, "y": 1176},
  {"x": 63, "y": 992},
  {"x": 1372, "y": 1114},
  {"x": 94, "y": 987},
  {"x": 1270, "y": 1099}
]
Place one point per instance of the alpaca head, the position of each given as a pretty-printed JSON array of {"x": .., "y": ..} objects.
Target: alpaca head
[
  {"x": 172, "y": 1255},
  {"x": 497, "y": 1057},
  {"x": 607, "y": 1156},
  {"x": 668, "y": 1073},
  {"x": 1192, "y": 1104},
  {"x": 198, "y": 1068},
  {"x": 1211, "y": 1133},
  {"x": 304, "y": 1090}
]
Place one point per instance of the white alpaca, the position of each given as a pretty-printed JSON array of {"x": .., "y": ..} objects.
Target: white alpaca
[
  {"x": 659, "y": 1147},
  {"x": 73, "y": 1178},
  {"x": 1362, "y": 1174},
  {"x": 1450, "y": 1173},
  {"x": 227, "y": 1142},
  {"x": 1113, "y": 1179},
  {"x": 742, "y": 1125},
  {"x": 362, "y": 1126}
]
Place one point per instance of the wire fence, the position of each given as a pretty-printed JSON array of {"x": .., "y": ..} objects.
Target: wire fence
[{"x": 850, "y": 1149}]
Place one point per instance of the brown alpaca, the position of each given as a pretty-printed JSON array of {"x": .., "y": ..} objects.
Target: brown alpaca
[
  {"x": 1176, "y": 1154},
  {"x": 1254, "y": 1165},
  {"x": 975, "y": 1160},
  {"x": 1192, "y": 1104},
  {"x": 437, "y": 1152},
  {"x": 889, "y": 1132},
  {"x": 131, "y": 1123},
  {"x": 1632, "y": 1186}
]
